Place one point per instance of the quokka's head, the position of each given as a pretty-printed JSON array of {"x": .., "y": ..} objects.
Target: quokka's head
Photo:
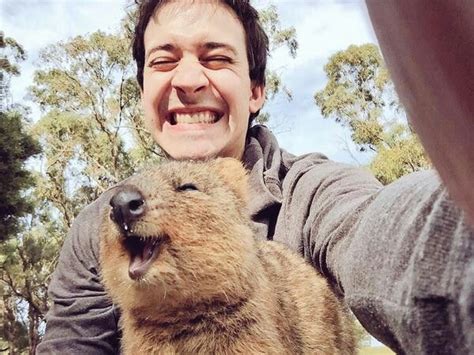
[{"x": 179, "y": 232}]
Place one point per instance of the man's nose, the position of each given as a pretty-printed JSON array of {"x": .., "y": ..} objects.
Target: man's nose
[{"x": 189, "y": 78}]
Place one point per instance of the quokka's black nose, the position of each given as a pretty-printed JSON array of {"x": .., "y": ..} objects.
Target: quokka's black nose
[{"x": 127, "y": 206}]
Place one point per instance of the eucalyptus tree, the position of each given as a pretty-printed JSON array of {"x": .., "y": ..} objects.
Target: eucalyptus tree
[
  {"x": 360, "y": 95},
  {"x": 16, "y": 147}
]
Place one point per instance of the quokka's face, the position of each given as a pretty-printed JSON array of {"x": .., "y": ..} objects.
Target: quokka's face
[{"x": 179, "y": 231}]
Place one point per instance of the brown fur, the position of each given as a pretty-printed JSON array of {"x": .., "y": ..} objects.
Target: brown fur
[{"x": 214, "y": 289}]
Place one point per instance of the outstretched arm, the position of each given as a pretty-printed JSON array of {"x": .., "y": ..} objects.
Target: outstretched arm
[
  {"x": 402, "y": 255},
  {"x": 429, "y": 50}
]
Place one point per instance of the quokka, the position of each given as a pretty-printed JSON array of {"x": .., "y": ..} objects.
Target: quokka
[{"x": 179, "y": 258}]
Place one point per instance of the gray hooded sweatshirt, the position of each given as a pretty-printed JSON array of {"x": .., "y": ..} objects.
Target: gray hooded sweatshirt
[{"x": 402, "y": 256}]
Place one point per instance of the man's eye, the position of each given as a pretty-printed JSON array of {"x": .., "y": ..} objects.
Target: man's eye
[
  {"x": 216, "y": 62},
  {"x": 163, "y": 65},
  {"x": 217, "y": 59}
]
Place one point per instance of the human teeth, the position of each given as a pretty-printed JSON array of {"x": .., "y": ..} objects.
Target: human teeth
[{"x": 198, "y": 117}]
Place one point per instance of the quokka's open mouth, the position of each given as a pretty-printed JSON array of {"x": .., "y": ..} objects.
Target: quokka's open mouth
[{"x": 143, "y": 251}]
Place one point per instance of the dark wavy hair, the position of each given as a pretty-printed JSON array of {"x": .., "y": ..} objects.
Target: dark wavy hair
[{"x": 255, "y": 36}]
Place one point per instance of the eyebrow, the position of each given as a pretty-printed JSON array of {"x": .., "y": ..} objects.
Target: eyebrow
[
  {"x": 168, "y": 47},
  {"x": 217, "y": 45}
]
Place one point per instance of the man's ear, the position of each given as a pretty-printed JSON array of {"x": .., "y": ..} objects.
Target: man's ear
[{"x": 257, "y": 98}]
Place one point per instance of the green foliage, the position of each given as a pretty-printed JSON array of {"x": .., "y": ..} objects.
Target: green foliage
[
  {"x": 16, "y": 146},
  {"x": 92, "y": 131},
  {"x": 403, "y": 154},
  {"x": 360, "y": 95},
  {"x": 27, "y": 262},
  {"x": 12, "y": 54},
  {"x": 356, "y": 93},
  {"x": 278, "y": 37}
]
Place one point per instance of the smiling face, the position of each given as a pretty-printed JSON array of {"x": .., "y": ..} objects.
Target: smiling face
[
  {"x": 189, "y": 238},
  {"x": 197, "y": 94}
]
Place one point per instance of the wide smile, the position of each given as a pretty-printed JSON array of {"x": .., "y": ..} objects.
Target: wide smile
[
  {"x": 143, "y": 251},
  {"x": 194, "y": 117}
]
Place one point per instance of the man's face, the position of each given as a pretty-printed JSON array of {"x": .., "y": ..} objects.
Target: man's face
[{"x": 197, "y": 94}]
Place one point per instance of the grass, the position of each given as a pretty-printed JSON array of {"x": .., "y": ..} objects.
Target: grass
[{"x": 378, "y": 350}]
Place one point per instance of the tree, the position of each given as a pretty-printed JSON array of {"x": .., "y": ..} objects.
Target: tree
[
  {"x": 16, "y": 147},
  {"x": 92, "y": 130},
  {"x": 27, "y": 262},
  {"x": 12, "y": 54},
  {"x": 278, "y": 37},
  {"x": 360, "y": 95}
]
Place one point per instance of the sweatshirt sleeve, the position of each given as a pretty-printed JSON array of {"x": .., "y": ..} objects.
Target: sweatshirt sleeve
[
  {"x": 82, "y": 319},
  {"x": 401, "y": 255}
]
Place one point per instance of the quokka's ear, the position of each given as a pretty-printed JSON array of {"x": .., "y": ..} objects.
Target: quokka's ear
[{"x": 234, "y": 175}]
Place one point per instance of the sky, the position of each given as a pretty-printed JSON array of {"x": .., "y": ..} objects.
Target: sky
[{"x": 323, "y": 27}]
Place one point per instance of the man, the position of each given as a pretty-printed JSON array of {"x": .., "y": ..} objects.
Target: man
[{"x": 399, "y": 255}]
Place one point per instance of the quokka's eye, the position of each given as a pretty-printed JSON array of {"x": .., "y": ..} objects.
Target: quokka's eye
[{"x": 187, "y": 187}]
